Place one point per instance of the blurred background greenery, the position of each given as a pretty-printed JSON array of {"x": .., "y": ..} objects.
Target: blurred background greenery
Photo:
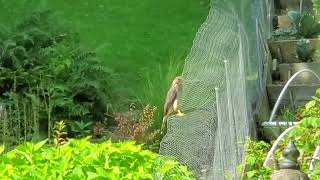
[{"x": 144, "y": 42}]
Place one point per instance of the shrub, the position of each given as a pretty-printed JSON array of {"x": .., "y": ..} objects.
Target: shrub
[
  {"x": 80, "y": 159},
  {"x": 306, "y": 136},
  {"x": 46, "y": 75},
  {"x": 135, "y": 125},
  {"x": 251, "y": 167}
]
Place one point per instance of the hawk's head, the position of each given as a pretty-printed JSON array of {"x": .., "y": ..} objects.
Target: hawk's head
[{"x": 177, "y": 81}]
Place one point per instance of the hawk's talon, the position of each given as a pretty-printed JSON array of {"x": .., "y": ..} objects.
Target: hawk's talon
[{"x": 180, "y": 113}]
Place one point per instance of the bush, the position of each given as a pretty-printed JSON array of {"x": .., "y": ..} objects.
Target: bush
[
  {"x": 80, "y": 159},
  {"x": 134, "y": 125},
  {"x": 306, "y": 136},
  {"x": 45, "y": 75}
]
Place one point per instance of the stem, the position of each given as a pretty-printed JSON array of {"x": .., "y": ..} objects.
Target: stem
[{"x": 25, "y": 120}]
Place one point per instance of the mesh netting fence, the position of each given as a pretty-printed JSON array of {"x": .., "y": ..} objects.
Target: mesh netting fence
[{"x": 223, "y": 82}]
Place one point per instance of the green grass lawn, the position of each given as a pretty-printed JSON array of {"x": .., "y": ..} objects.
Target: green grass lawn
[{"x": 139, "y": 39}]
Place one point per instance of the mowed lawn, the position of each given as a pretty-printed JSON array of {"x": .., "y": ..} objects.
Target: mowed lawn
[{"x": 133, "y": 37}]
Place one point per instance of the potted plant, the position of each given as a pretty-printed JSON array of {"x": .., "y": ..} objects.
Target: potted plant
[{"x": 296, "y": 42}]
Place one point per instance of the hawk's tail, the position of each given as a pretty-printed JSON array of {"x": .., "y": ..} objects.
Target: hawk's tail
[{"x": 164, "y": 122}]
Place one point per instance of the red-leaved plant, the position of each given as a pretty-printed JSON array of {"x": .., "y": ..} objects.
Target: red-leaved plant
[{"x": 135, "y": 124}]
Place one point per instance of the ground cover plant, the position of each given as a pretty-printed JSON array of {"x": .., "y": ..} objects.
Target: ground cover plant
[{"x": 80, "y": 159}]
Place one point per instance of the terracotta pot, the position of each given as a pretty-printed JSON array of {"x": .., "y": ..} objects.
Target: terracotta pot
[{"x": 284, "y": 21}]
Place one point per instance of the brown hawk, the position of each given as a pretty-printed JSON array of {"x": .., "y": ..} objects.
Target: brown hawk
[{"x": 171, "y": 103}]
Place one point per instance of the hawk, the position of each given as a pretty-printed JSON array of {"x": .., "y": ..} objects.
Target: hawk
[{"x": 171, "y": 103}]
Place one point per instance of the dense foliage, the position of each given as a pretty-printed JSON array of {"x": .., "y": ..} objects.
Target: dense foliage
[
  {"x": 316, "y": 6},
  {"x": 252, "y": 168},
  {"x": 46, "y": 75},
  {"x": 304, "y": 26},
  {"x": 306, "y": 136},
  {"x": 79, "y": 159}
]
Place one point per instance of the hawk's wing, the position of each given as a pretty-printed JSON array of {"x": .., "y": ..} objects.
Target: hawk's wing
[{"x": 171, "y": 97}]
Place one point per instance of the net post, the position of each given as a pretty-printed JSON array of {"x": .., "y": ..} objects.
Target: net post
[
  {"x": 219, "y": 131},
  {"x": 232, "y": 128}
]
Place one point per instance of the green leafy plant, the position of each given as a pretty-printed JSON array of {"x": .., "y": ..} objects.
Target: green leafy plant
[
  {"x": 312, "y": 108},
  {"x": 80, "y": 159},
  {"x": 304, "y": 51},
  {"x": 288, "y": 114},
  {"x": 157, "y": 84},
  {"x": 304, "y": 26},
  {"x": 60, "y": 135},
  {"x": 81, "y": 128},
  {"x": 251, "y": 167},
  {"x": 46, "y": 75},
  {"x": 306, "y": 136},
  {"x": 316, "y": 6}
]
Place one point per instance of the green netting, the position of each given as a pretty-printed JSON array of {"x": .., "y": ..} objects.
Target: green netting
[{"x": 224, "y": 81}]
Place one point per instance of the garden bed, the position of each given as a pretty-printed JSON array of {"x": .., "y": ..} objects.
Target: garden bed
[{"x": 286, "y": 50}]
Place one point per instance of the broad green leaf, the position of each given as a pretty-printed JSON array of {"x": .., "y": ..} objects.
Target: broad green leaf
[
  {"x": 92, "y": 175},
  {"x": 251, "y": 160},
  {"x": 25, "y": 155},
  {"x": 315, "y": 98},
  {"x": 251, "y": 174},
  {"x": 310, "y": 104},
  {"x": 128, "y": 176},
  {"x": 106, "y": 164},
  {"x": 40, "y": 144},
  {"x": 102, "y": 172},
  {"x": 306, "y": 24},
  {"x": 116, "y": 170}
]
